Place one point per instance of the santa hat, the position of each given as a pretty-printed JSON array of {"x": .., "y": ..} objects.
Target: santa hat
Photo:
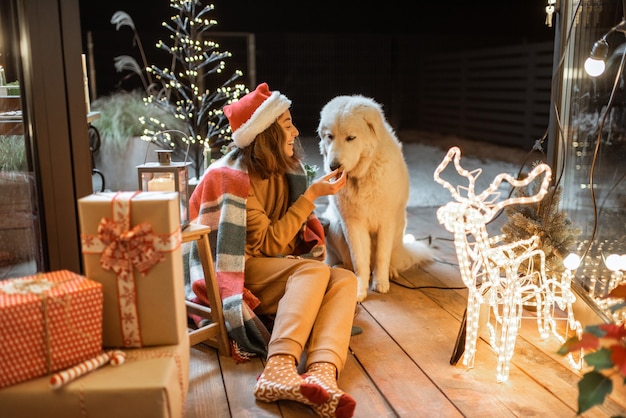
[{"x": 254, "y": 113}]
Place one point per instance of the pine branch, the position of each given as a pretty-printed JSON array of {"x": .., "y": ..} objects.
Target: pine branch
[{"x": 557, "y": 235}]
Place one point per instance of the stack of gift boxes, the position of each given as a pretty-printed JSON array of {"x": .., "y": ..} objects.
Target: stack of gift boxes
[{"x": 112, "y": 342}]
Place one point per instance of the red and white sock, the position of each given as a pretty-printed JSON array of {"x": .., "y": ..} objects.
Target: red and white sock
[
  {"x": 340, "y": 404},
  {"x": 280, "y": 381}
]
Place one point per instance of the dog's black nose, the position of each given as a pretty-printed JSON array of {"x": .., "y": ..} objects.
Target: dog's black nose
[{"x": 334, "y": 165}]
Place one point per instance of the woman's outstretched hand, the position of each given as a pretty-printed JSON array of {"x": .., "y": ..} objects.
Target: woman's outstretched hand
[{"x": 326, "y": 185}]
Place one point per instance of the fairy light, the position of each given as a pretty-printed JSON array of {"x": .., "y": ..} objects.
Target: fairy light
[
  {"x": 615, "y": 263},
  {"x": 408, "y": 238},
  {"x": 613, "y": 306},
  {"x": 492, "y": 269}
]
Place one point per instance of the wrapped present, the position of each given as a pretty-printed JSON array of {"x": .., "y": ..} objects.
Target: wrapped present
[
  {"x": 48, "y": 322},
  {"x": 152, "y": 382},
  {"x": 131, "y": 243}
]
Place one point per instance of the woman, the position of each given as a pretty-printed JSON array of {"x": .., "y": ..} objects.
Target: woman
[{"x": 269, "y": 257}]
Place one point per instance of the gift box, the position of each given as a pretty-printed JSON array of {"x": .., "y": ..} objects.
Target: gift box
[
  {"x": 152, "y": 382},
  {"x": 131, "y": 243},
  {"x": 48, "y": 322}
]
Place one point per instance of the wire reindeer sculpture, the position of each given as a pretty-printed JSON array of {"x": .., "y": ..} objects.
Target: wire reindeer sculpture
[{"x": 501, "y": 276}]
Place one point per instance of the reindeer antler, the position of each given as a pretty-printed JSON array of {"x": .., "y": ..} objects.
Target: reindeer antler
[
  {"x": 536, "y": 172},
  {"x": 485, "y": 199},
  {"x": 454, "y": 154}
]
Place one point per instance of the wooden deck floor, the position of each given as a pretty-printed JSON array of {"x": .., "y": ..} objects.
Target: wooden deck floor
[{"x": 400, "y": 365}]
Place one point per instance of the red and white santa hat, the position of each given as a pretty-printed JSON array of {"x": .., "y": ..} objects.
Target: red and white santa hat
[{"x": 254, "y": 113}]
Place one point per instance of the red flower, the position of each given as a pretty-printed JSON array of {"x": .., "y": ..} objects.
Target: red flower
[
  {"x": 614, "y": 331},
  {"x": 618, "y": 357}
]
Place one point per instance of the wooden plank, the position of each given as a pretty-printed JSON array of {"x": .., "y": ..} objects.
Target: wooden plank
[
  {"x": 207, "y": 395},
  {"x": 356, "y": 382},
  {"x": 239, "y": 380},
  {"x": 409, "y": 391},
  {"x": 423, "y": 329}
]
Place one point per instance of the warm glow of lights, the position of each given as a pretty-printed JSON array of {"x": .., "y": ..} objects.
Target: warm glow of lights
[
  {"x": 408, "y": 238},
  {"x": 504, "y": 276},
  {"x": 572, "y": 261},
  {"x": 594, "y": 67},
  {"x": 613, "y": 262}
]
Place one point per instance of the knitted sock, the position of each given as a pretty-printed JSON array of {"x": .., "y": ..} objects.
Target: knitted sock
[
  {"x": 280, "y": 381},
  {"x": 340, "y": 404}
]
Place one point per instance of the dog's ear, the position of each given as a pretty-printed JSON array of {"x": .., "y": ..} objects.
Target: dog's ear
[{"x": 373, "y": 117}]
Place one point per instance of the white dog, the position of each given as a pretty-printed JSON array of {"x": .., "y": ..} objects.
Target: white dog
[{"x": 368, "y": 216}]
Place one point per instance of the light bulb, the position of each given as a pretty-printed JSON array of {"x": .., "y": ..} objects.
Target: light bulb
[
  {"x": 408, "y": 238},
  {"x": 622, "y": 262},
  {"x": 613, "y": 262},
  {"x": 572, "y": 261},
  {"x": 594, "y": 67}
]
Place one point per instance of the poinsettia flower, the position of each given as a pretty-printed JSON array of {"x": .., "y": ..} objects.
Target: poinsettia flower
[
  {"x": 600, "y": 359},
  {"x": 618, "y": 292},
  {"x": 588, "y": 341},
  {"x": 618, "y": 357},
  {"x": 596, "y": 385},
  {"x": 614, "y": 331},
  {"x": 592, "y": 390}
]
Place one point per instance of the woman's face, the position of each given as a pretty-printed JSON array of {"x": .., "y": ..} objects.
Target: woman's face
[{"x": 290, "y": 132}]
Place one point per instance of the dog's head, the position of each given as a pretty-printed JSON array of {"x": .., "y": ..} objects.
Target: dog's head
[{"x": 349, "y": 132}]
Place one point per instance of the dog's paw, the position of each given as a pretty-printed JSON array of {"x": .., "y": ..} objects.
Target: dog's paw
[
  {"x": 380, "y": 286},
  {"x": 393, "y": 272},
  {"x": 361, "y": 294}
]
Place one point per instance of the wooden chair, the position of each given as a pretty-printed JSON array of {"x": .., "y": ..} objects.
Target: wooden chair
[{"x": 213, "y": 334}]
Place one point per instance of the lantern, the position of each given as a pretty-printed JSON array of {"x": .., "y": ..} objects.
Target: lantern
[{"x": 167, "y": 176}]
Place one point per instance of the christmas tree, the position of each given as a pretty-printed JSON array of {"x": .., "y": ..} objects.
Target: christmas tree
[
  {"x": 557, "y": 234},
  {"x": 193, "y": 89}
]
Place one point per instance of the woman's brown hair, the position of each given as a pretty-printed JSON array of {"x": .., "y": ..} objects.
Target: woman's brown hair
[{"x": 265, "y": 156}]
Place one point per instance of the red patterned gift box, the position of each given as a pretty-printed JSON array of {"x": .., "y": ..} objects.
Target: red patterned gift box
[{"x": 48, "y": 322}]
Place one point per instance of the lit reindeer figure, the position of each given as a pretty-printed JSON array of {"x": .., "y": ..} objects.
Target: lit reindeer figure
[{"x": 491, "y": 269}]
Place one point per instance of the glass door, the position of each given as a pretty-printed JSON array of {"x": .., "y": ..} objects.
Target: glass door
[
  {"x": 590, "y": 151},
  {"x": 20, "y": 242},
  {"x": 45, "y": 163}
]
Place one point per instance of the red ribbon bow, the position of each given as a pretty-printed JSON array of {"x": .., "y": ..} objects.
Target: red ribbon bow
[{"x": 127, "y": 248}]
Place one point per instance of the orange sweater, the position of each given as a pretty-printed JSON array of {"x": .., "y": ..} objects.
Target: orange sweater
[{"x": 272, "y": 225}]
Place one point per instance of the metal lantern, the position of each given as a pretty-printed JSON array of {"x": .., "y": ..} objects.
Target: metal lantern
[{"x": 167, "y": 176}]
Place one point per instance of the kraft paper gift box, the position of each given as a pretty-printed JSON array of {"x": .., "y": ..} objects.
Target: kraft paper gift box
[
  {"x": 48, "y": 322},
  {"x": 151, "y": 383},
  {"x": 131, "y": 243}
]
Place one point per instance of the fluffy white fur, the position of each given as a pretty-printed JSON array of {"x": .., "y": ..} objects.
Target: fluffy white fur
[{"x": 368, "y": 216}]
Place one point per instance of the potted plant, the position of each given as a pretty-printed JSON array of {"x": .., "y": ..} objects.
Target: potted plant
[{"x": 119, "y": 148}]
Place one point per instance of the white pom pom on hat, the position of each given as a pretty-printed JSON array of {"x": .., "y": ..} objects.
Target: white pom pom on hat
[{"x": 254, "y": 113}]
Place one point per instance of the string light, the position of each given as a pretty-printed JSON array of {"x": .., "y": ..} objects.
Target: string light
[
  {"x": 493, "y": 270},
  {"x": 595, "y": 64}
]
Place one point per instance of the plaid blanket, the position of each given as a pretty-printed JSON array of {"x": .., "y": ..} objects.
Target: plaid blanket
[{"x": 219, "y": 201}]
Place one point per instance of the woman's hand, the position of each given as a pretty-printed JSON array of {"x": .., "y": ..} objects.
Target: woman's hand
[{"x": 326, "y": 185}]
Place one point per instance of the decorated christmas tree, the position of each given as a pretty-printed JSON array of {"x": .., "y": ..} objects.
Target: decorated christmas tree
[{"x": 193, "y": 89}]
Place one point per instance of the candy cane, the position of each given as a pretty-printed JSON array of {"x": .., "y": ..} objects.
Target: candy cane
[{"x": 115, "y": 358}]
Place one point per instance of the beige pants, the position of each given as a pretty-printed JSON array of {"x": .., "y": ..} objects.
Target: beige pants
[{"x": 313, "y": 303}]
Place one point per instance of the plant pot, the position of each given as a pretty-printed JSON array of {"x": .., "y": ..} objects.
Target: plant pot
[{"x": 118, "y": 163}]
